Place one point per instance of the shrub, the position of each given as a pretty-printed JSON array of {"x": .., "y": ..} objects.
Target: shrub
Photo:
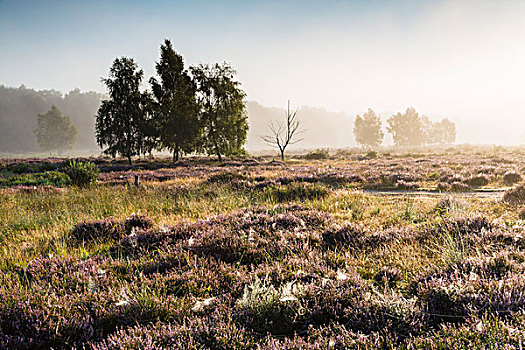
[
  {"x": 371, "y": 155},
  {"x": 511, "y": 178},
  {"x": 459, "y": 187},
  {"x": 22, "y": 168},
  {"x": 407, "y": 186},
  {"x": 317, "y": 154},
  {"x": 109, "y": 229},
  {"x": 515, "y": 195},
  {"x": 82, "y": 173},
  {"x": 477, "y": 180},
  {"x": 49, "y": 178}
]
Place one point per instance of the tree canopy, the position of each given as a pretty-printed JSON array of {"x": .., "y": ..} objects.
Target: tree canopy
[
  {"x": 367, "y": 129},
  {"x": 175, "y": 106},
  {"x": 221, "y": 108},
  {"x": 407, "y": 128},
  {"x": 55, "y": 133},
  {"x": 122, "y": 123}
]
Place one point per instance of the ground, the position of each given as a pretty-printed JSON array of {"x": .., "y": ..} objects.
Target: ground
[{"x": 353, "y": 250}]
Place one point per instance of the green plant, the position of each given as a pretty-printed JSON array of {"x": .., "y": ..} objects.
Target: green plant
[
  {"x": 82, "y": 173},
  {"x": 48, "y": 178}
]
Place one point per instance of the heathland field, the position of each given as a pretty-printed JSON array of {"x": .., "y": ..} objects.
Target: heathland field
[{"x": 323, "y": 251}]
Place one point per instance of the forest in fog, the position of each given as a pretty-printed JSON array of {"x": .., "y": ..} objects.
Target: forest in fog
[{"x": 19, "y": 108}]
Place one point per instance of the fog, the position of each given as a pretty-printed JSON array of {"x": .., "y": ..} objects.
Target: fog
[{"x": 461, "y": 60}]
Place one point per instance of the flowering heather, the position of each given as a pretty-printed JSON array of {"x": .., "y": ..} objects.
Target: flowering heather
[
  {"x": 110, "y": 229},
  {"x": 460, "y": 172},
  {"x": 309, "y": 274},
  {"x": 474, "y": 286}
]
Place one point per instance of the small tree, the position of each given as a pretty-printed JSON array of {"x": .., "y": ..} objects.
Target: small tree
[
  {"x": 367, "y": 130},
  {"x": 222, "y": 110},
  {"x": 175, "y": 106},
  {"x": 407, "y": 129},
  {"x": 284, "y": 134},
  {"x": 55, "y": 133},
  {"x": 122, "y": 121}
]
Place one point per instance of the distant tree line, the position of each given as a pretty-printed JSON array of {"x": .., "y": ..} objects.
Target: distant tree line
[
  {"x": 195, "y": 110},
  {"x": 407, "y": 129},
  {"x": 19, "y": 110}
]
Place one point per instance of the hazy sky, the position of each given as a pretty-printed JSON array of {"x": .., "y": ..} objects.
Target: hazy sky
[{"x": 464, "y": 60}]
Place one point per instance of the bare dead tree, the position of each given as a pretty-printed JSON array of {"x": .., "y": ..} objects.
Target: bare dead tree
[{"x": 284, "y": 134}]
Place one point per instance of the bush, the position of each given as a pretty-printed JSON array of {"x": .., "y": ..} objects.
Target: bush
[
  {"x": 407, "y": 186},
  {"x": 477, "y": 180},
  {"x": 22, "y": 168},
  {"x": 371, "y": 155},
  {"x": 511, "y": 178},
  {"x": 515, "y": 195},
  {"x": 109, "y": 229},
  {"x": 82, "y": 173},
  {"x": 459, "y": 187},
  {"x": 49, "y": 178},
  {"x": 317, "y": 154}
]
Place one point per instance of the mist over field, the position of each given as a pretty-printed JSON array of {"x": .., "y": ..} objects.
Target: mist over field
[
  {"x": 322, "y": 127},
  {"x": 459, "y": 60}
]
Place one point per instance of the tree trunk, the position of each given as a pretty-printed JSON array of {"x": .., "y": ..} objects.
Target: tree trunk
[
  {"x": 129, "y": 159},
  {"x": 282, "y": 155},
  {"x": 175, "y": 155},
  {"x": 217, "y": 150}
]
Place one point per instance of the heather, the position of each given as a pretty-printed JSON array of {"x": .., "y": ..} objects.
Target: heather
[{"x": 255, "y": 254}]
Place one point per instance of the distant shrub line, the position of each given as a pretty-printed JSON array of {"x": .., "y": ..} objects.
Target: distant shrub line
[{"x": 75, "y": 173}]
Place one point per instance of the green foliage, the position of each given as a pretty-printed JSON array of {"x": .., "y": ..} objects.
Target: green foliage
[
  {"x": 55, "y": 133},
  {"x": 221, "y": 108},
  {"x": 82, "y": 173},
  {"x": 122, "y": 123},
  {"x": 48, "y": 178},
  {"x": 407, "y": 129},
  {"x": 175, "y": 106},
  {"x": 367, "y": 129}
]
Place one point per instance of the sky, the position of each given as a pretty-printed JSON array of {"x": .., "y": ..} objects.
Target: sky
[{"x": 462, "y": 60}]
